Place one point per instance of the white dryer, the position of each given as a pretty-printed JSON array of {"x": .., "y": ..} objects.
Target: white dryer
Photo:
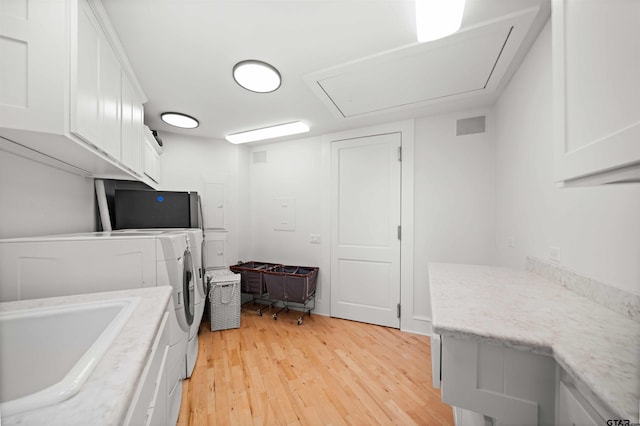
[
  {"x": 196, "y": 244},
  {"x": 62, "y": 265}
]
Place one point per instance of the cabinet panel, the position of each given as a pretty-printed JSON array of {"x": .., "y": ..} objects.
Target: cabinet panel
[
  {"x": 34, "y": 62},
  {"x": 85, "y": 77},
  {"x": 511, "y": 386},
  {"x": 137, "y": 137},
  {"x": 157, "y": 414},
  {"x": 597, "y": 91},
  {"x": 215, "y": 257},
  {"x": 15, "y": 58},
  {"x": 110, "y": 92},
  {"x": 132, "y": 115},
  {"x": 214, "y": 249},
  {"x": 148, "y": 393}
]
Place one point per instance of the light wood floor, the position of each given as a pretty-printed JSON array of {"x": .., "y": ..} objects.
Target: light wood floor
[{"x": 326, "y": 371}]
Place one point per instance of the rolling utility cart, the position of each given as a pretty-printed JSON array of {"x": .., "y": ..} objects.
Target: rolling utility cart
[
  {"x": 224, "y": 299},
  {"x": 252, "y": 282},
  {"x": 292, "y": 285}
]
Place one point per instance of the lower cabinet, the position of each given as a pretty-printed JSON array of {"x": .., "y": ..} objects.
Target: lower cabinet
[
  {"x": 508, "y": 386},
  {"x": 491, "y": 384},
  {"x": 149, "y": 404},
  {"x": 158, "y": 414}
]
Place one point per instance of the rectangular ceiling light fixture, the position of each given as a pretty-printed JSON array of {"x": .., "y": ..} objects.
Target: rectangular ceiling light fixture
[
  {"x": 436, "y": 19},
  {"x": 269, "y": 132}
]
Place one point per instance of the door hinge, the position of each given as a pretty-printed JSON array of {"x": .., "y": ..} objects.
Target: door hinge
[
  {"x": 399, "y": 153},
  {"x": 398, "y": 310},
  {"x": 399, "y": 232}
]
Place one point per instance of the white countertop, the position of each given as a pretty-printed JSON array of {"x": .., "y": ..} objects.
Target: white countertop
[
  {"x": 524, "y": 311},
  {"x": 105, "y": 398}
]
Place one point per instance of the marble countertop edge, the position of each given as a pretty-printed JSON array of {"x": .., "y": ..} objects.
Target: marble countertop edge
[
  {"x": 591, "y": 343},
  {"x": 519, "y": 344}
]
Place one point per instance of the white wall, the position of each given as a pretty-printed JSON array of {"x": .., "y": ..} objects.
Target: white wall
[
  {"x": 454, "y": 198},
  {"x": 597, "y": 229},
  {"x": 188, "y": 163},
  {"x": 293, "y": 170},
  {"x": 37, "y": 199},
  {"x": 453, "y": 207}
]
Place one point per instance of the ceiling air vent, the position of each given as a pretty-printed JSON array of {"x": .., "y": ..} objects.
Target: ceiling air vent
[
  {"x": 471, "y": 125},
  {"x": 259, "y": 157}
]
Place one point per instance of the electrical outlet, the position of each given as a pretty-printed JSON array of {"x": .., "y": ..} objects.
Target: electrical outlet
[
  {"x": 511, "y": 242},
  {"x": 314, "y": 238},
  {"x": 554, "y": 254}
]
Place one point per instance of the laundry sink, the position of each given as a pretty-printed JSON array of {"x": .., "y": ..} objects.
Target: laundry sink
[{"x": 48, "y": 353}]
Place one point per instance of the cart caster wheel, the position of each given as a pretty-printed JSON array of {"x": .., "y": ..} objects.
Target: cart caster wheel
[
  {"x": 259, "y": 312},
  {"x": 299, "y": 321},
  {"x": 275, "y": 317}
]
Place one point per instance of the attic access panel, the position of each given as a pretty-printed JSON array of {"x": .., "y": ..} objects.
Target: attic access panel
[{"x": 467, "y": 63}]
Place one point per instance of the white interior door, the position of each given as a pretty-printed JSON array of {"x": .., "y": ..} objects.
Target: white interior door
[{"x": 365, "y": 244}]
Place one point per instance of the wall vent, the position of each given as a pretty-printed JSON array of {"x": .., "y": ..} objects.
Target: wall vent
[
  {"x": 259, "y": 157},
  {"x": 471, "y": 125}
]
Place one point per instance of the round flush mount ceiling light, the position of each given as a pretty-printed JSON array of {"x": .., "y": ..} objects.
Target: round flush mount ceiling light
[
  {"x": 257, "y": 76},
  {"x": 177, "y": 119}
]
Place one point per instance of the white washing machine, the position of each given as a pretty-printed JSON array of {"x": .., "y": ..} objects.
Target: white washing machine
[
  {"x": 196, "y": 244},
  {"x": 62, "y": 265}
]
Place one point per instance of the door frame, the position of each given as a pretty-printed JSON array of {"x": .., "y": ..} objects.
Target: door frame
[{"x": 406, "y": 129}]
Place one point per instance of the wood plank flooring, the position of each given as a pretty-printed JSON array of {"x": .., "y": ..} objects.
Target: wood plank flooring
[{"x": 325, "y": 372}]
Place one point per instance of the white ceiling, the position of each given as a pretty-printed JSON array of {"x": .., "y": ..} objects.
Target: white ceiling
[{"x": 183, "y": 53}]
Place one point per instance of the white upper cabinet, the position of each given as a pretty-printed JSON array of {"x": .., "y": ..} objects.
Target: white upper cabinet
[
  {"x": 34, "y": 60},
  {"x": 132, "y": 137},
  {"x": 110, "y": 103},
  {"x": 86, "y": 117},
  {"x": 596, "y": 57},
  {"x": 64, "y": 76}
]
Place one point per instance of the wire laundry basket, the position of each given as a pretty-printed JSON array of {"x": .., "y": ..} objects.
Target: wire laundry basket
[{"x": 292, "y": 284}]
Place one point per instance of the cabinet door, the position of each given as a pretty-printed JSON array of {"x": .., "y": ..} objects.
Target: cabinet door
[
  {"x": 214, "y": 254},
  {"x": 110, "y": 92},
  {"x": 137, "y": 140},
  {"x": 150, "y": 391},
  {"x": 32, "y": 40},
  {"x": 132, "y": 114},
  {"x": 157, "y": 413},
  {"x": 85, "y": 76},
  {"x": 596, "y": 48}
]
